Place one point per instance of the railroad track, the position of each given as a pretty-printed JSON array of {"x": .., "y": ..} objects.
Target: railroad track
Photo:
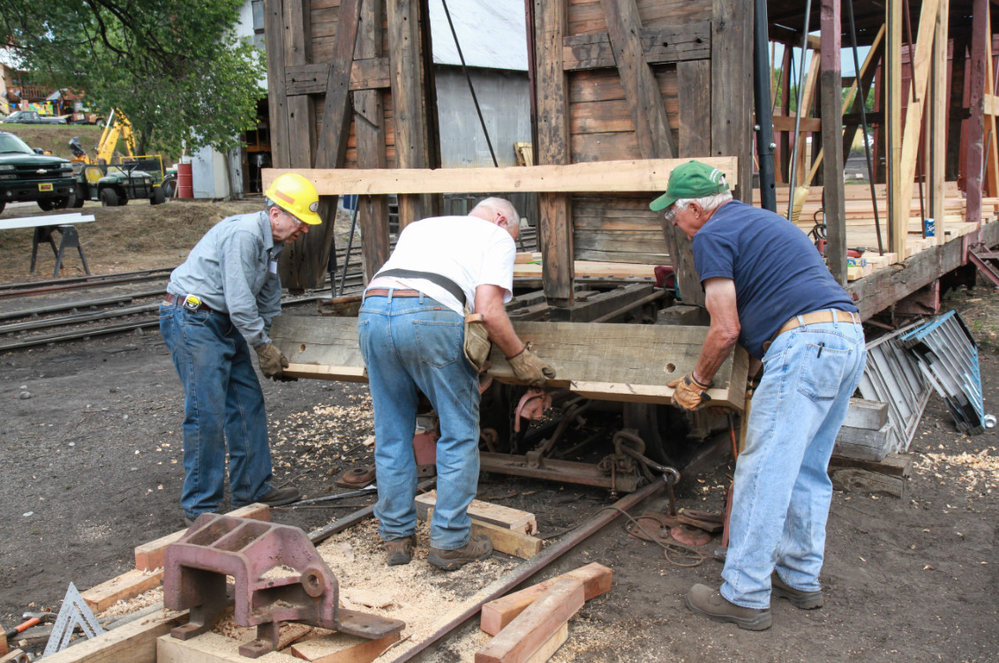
[{"x": 43, "y": 312}]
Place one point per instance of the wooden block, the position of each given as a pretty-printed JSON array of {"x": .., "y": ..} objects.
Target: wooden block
[
  {"x": 149, "y": 556},
  {"x": 210, "y": 648},
  {"x": 864, "y": 443},
  {"x": 342, "y": 648},
  {"x": 533, "y": 628},
  {"x": 15, "y": 656},
  {"x": 505, "y": 540},
  {"x": 864, "y": 413},
  {"x": 496, "y": 514},
  {"x": 898, "y": 465},
  {"x": 126, "y": 586},
  {"x": 547, "y": 650},
  {"x": 854, "y": 479},
  {"x": 134, "y": 642},
  {"x": 596, "y": 579}
]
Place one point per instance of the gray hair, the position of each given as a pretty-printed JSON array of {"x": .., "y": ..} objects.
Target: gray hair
[
  {"x": 500, "y": 205},
  {"x": 707, "y": 203}
]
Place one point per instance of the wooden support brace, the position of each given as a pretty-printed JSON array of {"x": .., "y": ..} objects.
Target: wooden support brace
[
  {"x": 509, "y": 542},
  {"x": 126, "y": 586},
  {"x": 495, "y": 514},
  {"x": 596, "y": 579}
]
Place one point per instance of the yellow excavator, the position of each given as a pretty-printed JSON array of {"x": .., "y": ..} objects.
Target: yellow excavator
[{"x": 119, "y": 129}]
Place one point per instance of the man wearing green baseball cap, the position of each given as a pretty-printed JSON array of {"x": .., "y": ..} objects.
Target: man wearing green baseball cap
[{"x": 768, "y": 289}]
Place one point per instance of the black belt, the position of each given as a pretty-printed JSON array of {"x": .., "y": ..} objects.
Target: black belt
[
  {"x": 187, "y": 302},
  {"x": 439, "y": 279}
]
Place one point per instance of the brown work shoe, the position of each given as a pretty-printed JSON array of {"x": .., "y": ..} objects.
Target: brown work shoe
[
  {"x": 796, "y": 597},
  {"x": 709, "y": 602},
  {"x": 478, "y": 547},
  {"x": 400, "y": 551},
  {"x": 280, "y": 496}
]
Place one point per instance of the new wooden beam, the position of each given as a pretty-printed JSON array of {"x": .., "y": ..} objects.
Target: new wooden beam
[
  {"x": 535, "y": 625},
  {"x": 928, "y": 13},
  {"x": 937, "y": 134},
  {"x": 637, "y": 175},
  {"x": 596, "y": 579},
  {"x": 893, "y": 117}
]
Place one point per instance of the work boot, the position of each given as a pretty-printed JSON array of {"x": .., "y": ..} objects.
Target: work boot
[
  {"x": 478, "y": 547},
  {"x": 400, "y": 551},
  {"x": 709, "y": 602},
  {"x": 796, "y": 597},
  {"x": 280, "y": 496}
]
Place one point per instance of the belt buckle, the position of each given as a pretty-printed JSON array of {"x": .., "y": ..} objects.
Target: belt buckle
[{"x": 192, "y": 302}]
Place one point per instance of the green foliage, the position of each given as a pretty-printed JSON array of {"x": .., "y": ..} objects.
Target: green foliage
[{"x": 175, "y": 69}]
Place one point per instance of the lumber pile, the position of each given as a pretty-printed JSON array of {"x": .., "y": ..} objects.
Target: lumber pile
[{"x": 530, "y": 625}]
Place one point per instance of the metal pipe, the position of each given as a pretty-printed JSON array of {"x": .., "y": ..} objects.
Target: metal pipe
[
  {"x": 764, "y": 115},
  {"x": 797, "y": 116},
  {"x": 504, "y": 585}
]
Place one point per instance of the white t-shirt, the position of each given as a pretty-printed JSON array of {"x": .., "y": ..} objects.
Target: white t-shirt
[{"x": 466, "y": 249}]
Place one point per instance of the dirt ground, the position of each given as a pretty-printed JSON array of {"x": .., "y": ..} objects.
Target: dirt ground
[{"x": 91, "y": 449}]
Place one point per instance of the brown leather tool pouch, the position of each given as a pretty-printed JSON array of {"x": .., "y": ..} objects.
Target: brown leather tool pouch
[{"x": 477, "y": 343}]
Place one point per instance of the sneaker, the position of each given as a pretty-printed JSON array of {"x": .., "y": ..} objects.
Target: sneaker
[
  {"x": 280, "y": 496},
  {"x": 400, "y": 551},
  {"x": 478, "y": 547},
  {"x": 796, "y": 597},
  {"x": 709, "y": 602}
]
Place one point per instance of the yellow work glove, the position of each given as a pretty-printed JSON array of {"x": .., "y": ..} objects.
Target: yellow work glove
[
  {"x": 272, "y": 361},
  {"x": 689, "y": 393},
  {"x": 530, "y": 368}
]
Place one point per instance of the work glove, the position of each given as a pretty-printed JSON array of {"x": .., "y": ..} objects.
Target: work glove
[
  {"x": 689, "y": 393},
  {"x": 530, "y": 368},
  {"x": 272, "y": 362}
]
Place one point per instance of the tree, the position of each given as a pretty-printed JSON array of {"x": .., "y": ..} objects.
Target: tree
[{"x": 175, "y": 69}]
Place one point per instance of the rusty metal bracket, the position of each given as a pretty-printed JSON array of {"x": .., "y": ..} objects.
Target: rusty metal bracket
[{"x": 279, "y": 576}]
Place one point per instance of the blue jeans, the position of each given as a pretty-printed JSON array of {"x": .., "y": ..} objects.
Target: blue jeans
[
  {"x": 412, "y": 345},
  {"x": 782, "y": 486},
  {"x": 223, "y": 404}
]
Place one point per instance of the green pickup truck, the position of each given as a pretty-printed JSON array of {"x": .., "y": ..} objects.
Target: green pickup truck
[{"x": 28, "y": 175}]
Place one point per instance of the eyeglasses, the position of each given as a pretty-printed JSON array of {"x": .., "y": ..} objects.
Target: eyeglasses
[{"x": 670, "y": 214}]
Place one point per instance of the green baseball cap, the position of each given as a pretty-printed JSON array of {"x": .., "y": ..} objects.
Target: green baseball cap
[{"x": 691, "y": 180}]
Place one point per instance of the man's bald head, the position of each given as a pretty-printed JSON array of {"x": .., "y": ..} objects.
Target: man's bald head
[{"x": 499, "y": 211}]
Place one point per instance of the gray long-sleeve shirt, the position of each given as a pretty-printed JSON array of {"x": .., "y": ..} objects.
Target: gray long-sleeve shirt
[{"x": 233, "y": 269}]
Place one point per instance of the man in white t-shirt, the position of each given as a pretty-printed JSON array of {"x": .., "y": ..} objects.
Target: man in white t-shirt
[{"x": 411, "y": 332}]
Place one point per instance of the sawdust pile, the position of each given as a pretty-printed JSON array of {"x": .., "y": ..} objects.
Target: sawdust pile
[{"x": 980, "y": 471}]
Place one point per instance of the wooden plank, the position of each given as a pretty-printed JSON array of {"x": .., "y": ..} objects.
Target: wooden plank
[
  {"x": 121, "y": 588},
  {"x": 550, "y": 646},
  {"x": 149, "y": 555},
  {"x": 830, "y": 101},
  {"x": 210, "y": 647},
  {"x": 610, "y": 362},
  {"x": 407, "y": 98},
  {"x": 899, "y": 465},
  {"x": 640, "y": 88},
  {"x": 495, "y": 514},
  {"x": 508, "y": 541},
  {"x": 864, "y": 443},
  {"x": 914, "y": 113},
  {"x": 694, "y": 87},
  {"x": 301, "y": 110},
  {"x": 632, "y": 175},
  {"x": 342, "y": 648},
  {"x": 277, "y": 106},
  {"x": 366, "y": 73},
  {"x": 134, "y": 642},
  {"x": 535, "y": 625},
  {"x": 495, "y": 615},
  {"x": 805, "y": 125},
  {"x": 937, "y": 134},
  {"x": 893, "y": 119},
  {"x": 864, "y": 413},
  {"x": 991, "y": 187},
  {"x": 732, "y": 88},
  {"x": 975, "y": 130},
  {"x": 850, "y": 479},
  {"x": 369, "y": 124},
  {"x": 44, "y": 220},
  {"x": 555, "y": 222}
]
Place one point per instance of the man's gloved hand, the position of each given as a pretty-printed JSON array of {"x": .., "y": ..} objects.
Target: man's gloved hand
[
  {"x": 688, "y": 392},
  {"x": 272, "y": 362},
  {"x": 530, "y": 368}
]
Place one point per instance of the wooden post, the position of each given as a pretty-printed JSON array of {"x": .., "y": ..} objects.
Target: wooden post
[
  {"x": 959, "y": 57},
  {"x": 830, "y": 98},
  {"x": 898, "y": 208},
  {"x": 277, "y": 100},
  {"x": 938, "y": 119},
  {"x": 369, "y": 126},
  {"x": 732, "y": 88},
  {"x": 555, "y": 221},
  {"x": 407, "y": 97},
  {"x": 974, "y": 159}
]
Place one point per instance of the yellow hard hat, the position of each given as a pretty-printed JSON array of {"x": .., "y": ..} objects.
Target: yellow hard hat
[{"x": 295, "y": 195}]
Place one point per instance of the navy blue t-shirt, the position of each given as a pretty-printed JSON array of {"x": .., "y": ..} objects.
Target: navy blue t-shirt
[{"x": 778, "y": 272}]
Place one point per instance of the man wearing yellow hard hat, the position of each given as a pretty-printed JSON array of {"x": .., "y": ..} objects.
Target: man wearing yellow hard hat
[{"x": 218, "y": 304}]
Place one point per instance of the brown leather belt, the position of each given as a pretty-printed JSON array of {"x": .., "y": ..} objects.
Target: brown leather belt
[
  {"x": 395, "y": 292},
  {"x": 815, "y": 317},
  {"x": 176, "y": 300}
]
